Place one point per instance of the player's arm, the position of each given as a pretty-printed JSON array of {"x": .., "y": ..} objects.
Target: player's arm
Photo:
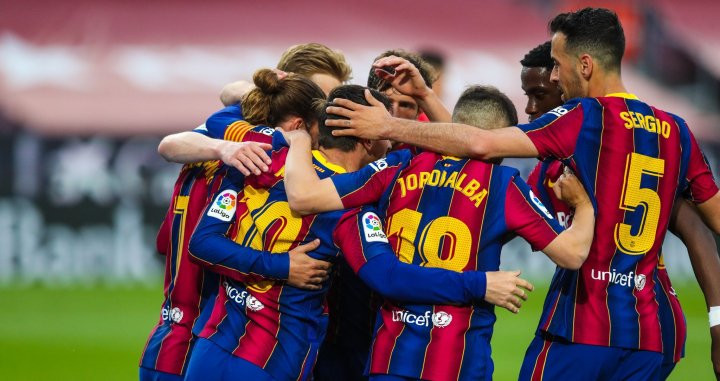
[
  {"x": 686, "y": 223},
  {"x": 710, "y": 211},
  {"x": 370, "y": 256},
  {"x": 210, "y": 246},
  {"x": 374, "y": 122},
  {"x": 572, "y": 246},
  {"x": 233, "y": 92},
  {"x": 308, "y": 194},
  {"x": 408, "y": 81}
]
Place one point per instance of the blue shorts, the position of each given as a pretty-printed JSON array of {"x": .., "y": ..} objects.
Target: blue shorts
[
  {"x": 210, "y": 362},
  {"x": 560, "y": 360},
  {"x": 156, "y": 375}
]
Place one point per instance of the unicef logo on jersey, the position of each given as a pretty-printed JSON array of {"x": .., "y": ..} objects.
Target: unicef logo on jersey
[
  {"x": 175, "y": 315},
  {"x": 226, "y": 201},
  {"x": 441, "y": 319}
]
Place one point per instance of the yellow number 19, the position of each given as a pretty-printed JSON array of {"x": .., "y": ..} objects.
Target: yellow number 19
[{"x": 633, "y": 196}]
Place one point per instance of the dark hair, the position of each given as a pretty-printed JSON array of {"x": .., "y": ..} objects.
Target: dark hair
[
  {"x": 354, "y": 93},
  {"x": 539, "y": 56},
  {"x": 434, "y": 58},
  {"x": 485, "y": 107},
  {"x": 314, "y": 58},
  {"x": 426, "y": 71},
  {"x": 596, "y": 31},
  {"x": 273, "y": 100}
]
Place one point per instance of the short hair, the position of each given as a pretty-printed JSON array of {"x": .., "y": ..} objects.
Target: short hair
[
  {"x": 539, "y": 56},
  {"x": 314, "y": 58},
  {"x": 485, "y": 107},
  {"x": 273, "y": 100},
  {"x": 426, "y": 71},
  {"x": 434, "y": 58},
  {"x": 596, "y": 31},
  {"x": 355, "y": 93}
]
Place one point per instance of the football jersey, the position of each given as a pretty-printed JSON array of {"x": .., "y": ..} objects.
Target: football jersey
[
  {"x": 672, "y": 319},
  {"x": 449, "y": 213},
  {"x": 187, "y": 288},
  {"x": 279, "y": 327},
  {"x": 634, "y": 160}
]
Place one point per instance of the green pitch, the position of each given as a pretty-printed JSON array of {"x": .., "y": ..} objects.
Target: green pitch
[{"x": 91, "y": 333}]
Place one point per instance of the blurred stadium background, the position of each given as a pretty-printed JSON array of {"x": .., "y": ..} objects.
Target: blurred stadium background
[{"x": 87, "y": 88}]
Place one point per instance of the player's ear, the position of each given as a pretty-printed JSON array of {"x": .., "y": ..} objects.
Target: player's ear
[
  {"x": 292, "y": 123},
  {"x": 586, "y": 66},
  {"x": 367, "y": 144}
]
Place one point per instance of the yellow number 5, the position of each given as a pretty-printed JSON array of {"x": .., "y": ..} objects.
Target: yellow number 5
[{"x": 633, "y": 196}]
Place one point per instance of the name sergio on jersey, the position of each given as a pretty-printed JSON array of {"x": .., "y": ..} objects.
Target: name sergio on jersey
[
  {"x": 647, "y": 122},
  {"x": 437, "y": 178}
]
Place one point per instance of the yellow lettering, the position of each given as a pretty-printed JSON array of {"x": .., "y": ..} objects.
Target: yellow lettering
[
  {"x": 665, "y": 129},
  {"x": 641, "y": 120},
  {"x": 434, "y": 178},
  {"x": 458, "y": 184},
  {"x": 403, "y": 191},
  {"x": 412, "y": 181},
  {"x": 650, "y": 123},
  {"x": 628, "y": 122},
  {"x": 634, "y": 119},
  {"x": 471, "y": 187},
  {"x": 479, "y": 197},
  {"x": 423, "y": 179},
  {"x": 451, "y": 180}
]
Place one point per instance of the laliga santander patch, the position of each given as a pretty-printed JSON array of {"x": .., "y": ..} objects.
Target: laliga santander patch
[
  {"x": 372, "y": 228},
  {"x": 223, "y": 208}
]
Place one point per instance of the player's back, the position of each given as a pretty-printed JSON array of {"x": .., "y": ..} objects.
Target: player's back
[
  {"x": 267, "y": 322},
  {"x": 634, "y": 160},
  {"x": 455, "y": 214}
]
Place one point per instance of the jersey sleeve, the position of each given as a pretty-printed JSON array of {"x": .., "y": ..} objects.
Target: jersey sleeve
[
  {"x": 360, "y": 237},
  {"x": 554, "y": 133},
  {"x": 228, "y": 124},
  {"x": 366, "y": 185},
  {"x": 276, "y": 172},
  {"x": 699, "y": 181},
  {"x": 211, "y": 247},
  {"x": 526, "y": 215}
]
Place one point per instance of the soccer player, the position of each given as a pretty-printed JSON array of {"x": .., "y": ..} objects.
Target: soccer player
[
  {"x": 187, "y": 287},
  {"x": 632, "y": 158},
  {"x": 262, "y": 329},
  {"x": 543, "y": 96},
  {"x": 324, "y": 66},
  {"x": 450, "y": 213}
]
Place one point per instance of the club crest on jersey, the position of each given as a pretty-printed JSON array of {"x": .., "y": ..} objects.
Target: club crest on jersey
[
  {"x": 223, "y": 208},
  {"x": 540, "y": 205},
  {"x": 372, "y": 227}
]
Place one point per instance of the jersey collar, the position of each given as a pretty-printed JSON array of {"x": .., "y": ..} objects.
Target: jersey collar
[
  {"x": 322, "y": 160},
  {"x": 623, "y": 95}
]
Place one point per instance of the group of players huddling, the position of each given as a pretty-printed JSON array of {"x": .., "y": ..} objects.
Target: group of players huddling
[{"x": 419, "y": 212}]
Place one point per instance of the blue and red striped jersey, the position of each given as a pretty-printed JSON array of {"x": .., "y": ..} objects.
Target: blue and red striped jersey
[
  {"x": 187, "y": 288},
  {"x": 279, "y": 327},
  {"x": 633, "y": 160},
  {"x": 672, "y": 319},
  {"x": 448, "y": 213}
]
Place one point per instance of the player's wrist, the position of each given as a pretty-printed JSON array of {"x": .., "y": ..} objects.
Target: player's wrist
[{"x": 714, "y": 316}]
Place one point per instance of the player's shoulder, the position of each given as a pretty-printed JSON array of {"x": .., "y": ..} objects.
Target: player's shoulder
[{"x": 393, "y": 159}]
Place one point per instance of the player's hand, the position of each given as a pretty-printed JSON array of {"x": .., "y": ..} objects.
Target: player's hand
[
  {"x": 367, "y": 122},
  {"x": 506, "y": 289},
  {"x": 570, "y": 190},
  {"x": 299, "y": 136},
  {"x": 305, "y": 271},
  {"x": 407, "y": 79},
  {"x": 247, "y": 157},
  {"x": 715, "y": 350}
]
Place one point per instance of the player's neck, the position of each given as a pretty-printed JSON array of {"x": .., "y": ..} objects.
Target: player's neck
[
  {"x": 608, "y": 83},
  {"x": 347, "y": 160}
]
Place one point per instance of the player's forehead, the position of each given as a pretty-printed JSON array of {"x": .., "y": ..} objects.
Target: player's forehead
[
  {"x": 326, "y": 82},
  {"x": 534, "y": 78},
  {"x": 558, "y": 45}
]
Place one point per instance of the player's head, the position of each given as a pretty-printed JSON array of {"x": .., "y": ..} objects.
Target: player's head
[
  {"x": 542, "y": 95},
  {"x": 322, "y": 65},
  {"x": 586, "y": 42},
  {"x": 403, "y": 106},
  {"x": 437, "y": 61},
  {"x": 286, "y": 102},
  {"x": 485, "y": 107},
  {"x": 373, "y": 149}
]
